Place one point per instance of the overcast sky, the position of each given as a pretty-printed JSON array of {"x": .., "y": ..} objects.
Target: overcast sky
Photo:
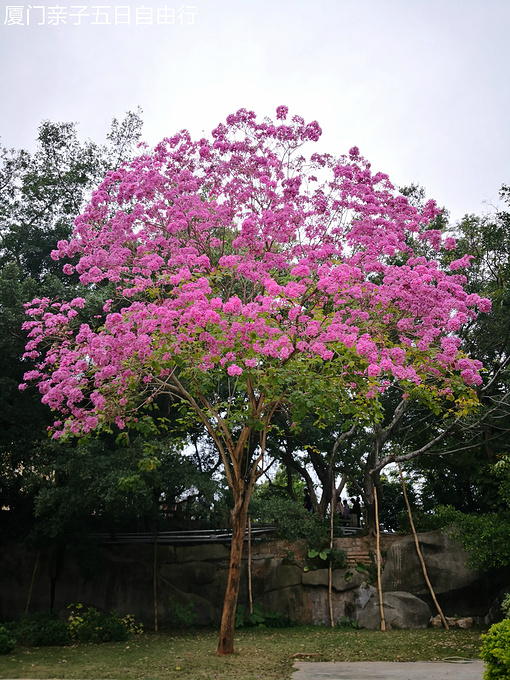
[{"x": 421, "y": 86}]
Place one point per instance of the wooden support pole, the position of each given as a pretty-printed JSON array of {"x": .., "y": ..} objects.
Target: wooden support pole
[
  {"x": 155, "y": 581},
  {"x": 331, "y": 544},
  {"x": 378, "y": 557},
  {"x": 29, "y": 597},
  {"x": 419, "y": 553},
  {"x": 250, "y": 596}
]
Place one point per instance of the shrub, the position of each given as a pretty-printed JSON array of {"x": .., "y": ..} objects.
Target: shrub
[
  {"x": 291, "y": 520},
  {"x": 87, "y": 624},
  {"x": 182, "y": 615},
  {"x": 7, "y": 640},
  {"x": 505, "y": 606},
  {"x": 495, "y": 651},
  {"x": 261, "y": 620},
  {"x": 41, "y": 630},
  {"x": 336, "y": 556}
]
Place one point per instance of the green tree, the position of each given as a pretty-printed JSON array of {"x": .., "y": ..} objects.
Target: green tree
[{"x": 40, "y": 195}]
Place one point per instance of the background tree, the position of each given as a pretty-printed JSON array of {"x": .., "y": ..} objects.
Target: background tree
[
  {"x": 242, "y": 285},
  {"x": 40, "y": 195}
]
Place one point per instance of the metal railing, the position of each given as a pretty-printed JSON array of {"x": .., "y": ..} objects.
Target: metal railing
[{"x": 183, "y": 537}]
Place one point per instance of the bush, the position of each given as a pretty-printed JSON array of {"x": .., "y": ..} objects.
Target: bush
[
  {"x": 261, "y": 620},
  {"x": 291, "y": 520},
  {"x": 7, "y": 640},
  {"x": 41, "y": 630},
  {"x": 505, "y": 606},
  {"x": 87, "y": 624},
  {"x": 336, "y": 556},
  {"x": 495, "y": 651},
  {"x": 486, "y": 537},
  {"x": 182, "y": 615}
]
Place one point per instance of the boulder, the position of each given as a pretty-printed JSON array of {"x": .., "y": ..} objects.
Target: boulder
[
  {"x": 189, "y": 575},
  {"x": 285, "y": 576},
  {"x": 465, "y": 622},
  {"x": 343, "y": 579},
  {"x": 436, "y": 622},
  {"x": 401, "y": 610},
  {"x": 495, "y": 612},
  {"x": 201, "y": 612},
  {"x": 295, "y": 602},
  {"x": 460, "y": 590},
  {"x": 444, "y": 558}
]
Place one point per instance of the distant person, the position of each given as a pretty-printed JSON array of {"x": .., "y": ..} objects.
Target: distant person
[
  {"x": 346, "y": 512},
  {"x": 307, "y": 500},
  {"x": 356, "y": 511}
]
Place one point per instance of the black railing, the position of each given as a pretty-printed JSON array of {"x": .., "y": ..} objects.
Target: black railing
[{"x": 183, "y": 537}]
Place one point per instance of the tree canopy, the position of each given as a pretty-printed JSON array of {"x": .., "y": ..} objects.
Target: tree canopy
[{"x": 244, "y": 278}]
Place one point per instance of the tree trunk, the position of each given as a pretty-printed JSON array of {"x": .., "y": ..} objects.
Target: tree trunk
[
  {"x": 369, "y": 499},
  {"x": 239, "y": 516}
]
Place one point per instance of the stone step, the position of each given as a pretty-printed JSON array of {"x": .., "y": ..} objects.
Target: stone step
[{"x": 353, "y": 558}]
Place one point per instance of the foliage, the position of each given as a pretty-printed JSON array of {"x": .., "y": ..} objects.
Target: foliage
[
  {"x": 102, "y": 484},
  {"x": 505, "y": 606},
  {"x": 36, "y": 630},
  {"x": 182, "y": 615},
  {"x": 87, "y": 624},
  {"x": 495, "y": 651},
  {"x": 336, "y": 556},
  {"x": 346, "y": 622},
  {"x": 7, "y": 640},
  {"x": 292, "y": 522},
  {"x": 42, "y": 192},
  {"x": 486, "y": 537},
  {"x": 393, "y": 514},
  {"x": 260, "y": 619}
]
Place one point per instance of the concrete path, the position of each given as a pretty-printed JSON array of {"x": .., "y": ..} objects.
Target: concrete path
[{"x": 385, "y": 670}]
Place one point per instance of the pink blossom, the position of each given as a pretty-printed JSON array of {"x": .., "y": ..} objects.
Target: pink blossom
[
  {"x": 373, "y": 370},
  {"x": 236, "y": 253},
  {"x": 484, "y": 305},
  {"x": 463, "y": 262}
]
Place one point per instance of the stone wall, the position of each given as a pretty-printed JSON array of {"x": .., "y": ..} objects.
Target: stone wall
[{"x": 121, "y": 577}]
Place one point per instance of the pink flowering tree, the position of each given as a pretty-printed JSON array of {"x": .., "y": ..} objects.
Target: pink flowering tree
[{"x": 246, "y": 278}]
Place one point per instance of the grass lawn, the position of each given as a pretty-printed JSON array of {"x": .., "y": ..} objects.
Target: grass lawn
[{"x": 261, "y": 654}]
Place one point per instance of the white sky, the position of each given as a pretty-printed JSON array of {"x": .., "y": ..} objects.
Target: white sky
[{"x": 421, "y": 86}]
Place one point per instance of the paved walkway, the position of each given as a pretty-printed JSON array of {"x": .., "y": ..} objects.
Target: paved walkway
[{"x": 385, "y": 670}]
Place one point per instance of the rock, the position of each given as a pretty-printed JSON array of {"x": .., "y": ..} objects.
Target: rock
[
  {"x": 465, "y": 622},
  {"x": 201, "y": 553},
  {"x": 436, "y": 622},
  {"x": 295, "y": 602},
  {"x": 348, "y": 579},
  {"x": 461, "y": 591},
  {"x": 285, "y": 576},
  {"x": 495, "y": 612},
  {"x": 343, "y": 579},
  {"x": 444, "y": 558},
  {"x": 401, "y": 610},
  {"x": 188, "y": 575},
  {"x": 201, "y": 612}
]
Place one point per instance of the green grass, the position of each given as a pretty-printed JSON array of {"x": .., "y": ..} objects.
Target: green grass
[{"x": 261, "y": 654}]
